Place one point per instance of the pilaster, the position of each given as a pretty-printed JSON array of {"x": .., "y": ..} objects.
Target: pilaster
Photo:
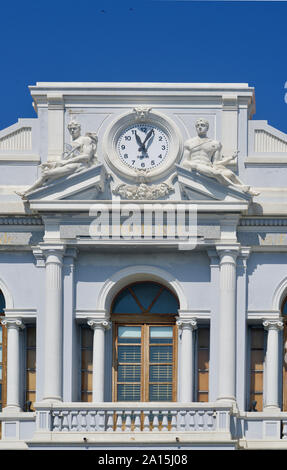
[{"x": 55, "y": 125}]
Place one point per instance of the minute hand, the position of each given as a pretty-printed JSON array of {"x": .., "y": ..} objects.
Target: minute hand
[{"x": 148, "y": 136}]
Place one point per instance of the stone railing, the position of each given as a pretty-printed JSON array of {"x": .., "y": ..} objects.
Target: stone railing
[{"x": 131, "y": 417}]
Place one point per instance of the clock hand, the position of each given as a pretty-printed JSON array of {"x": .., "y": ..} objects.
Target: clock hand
[
  {"x": 138, "y": 140},
  {"x": 148, "y": 136}
]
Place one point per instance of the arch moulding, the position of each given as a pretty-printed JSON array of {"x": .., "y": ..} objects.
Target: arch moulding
[{"x": 138, "y": 273}]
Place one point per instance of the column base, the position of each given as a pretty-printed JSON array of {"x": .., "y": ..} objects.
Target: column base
[
  {"x": 272, "y": 409},
  {"x": 11, "y": 409}
]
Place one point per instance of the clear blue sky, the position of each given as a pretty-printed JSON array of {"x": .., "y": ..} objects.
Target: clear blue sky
[{"x": 143, "y": 40}]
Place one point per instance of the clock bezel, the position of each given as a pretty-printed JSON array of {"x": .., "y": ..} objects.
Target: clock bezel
[{"x": 119, "y": 125}]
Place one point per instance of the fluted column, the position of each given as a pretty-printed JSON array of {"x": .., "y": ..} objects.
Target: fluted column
[
  {"x": 186, "y": 366},
  {"x": 13, "y": 364},
  {"x": 272, "y": 363},
  {"x": 99, "y": 327},
  {"x": 53, "y": 360},
  {"x": 227, "y": 325}
]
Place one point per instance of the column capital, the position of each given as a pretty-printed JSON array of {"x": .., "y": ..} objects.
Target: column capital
[
  {"x": 273, "y": 324},
  {"x": 187, "y": 324},
  {"x": 42, "y": 252},
  {"x": 99, "y": 324},
  {"x": 225, "y": 250},
  {"x": 13, "y": 323}
]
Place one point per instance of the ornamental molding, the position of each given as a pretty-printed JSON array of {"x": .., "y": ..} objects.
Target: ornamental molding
[
  {"x": 21, "y": 221},
  {"x": 262, "y": 222},
  {"x": 272, "y": 324},
  {"x": 100, "y": 324},
  {"x": 142, "y": 112},
  {"x": 13, "y": 323},
  {"x": 143, "y": 191},
  {"x": 184, "y": 324}
]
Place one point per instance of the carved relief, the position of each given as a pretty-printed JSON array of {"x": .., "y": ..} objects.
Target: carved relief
[
  {"x": 141, "y": 112},
  {"x": 143, "y": 191},
  {"x": 80, "y": 156},
  {"x": 203, "y": 155}
]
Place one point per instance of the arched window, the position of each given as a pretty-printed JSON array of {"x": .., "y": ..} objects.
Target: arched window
[{"x": 145, "y": 343}]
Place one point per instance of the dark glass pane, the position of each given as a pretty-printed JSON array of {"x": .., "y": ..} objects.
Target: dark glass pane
[
  {"x": 125, "y": 303},
  {"x": 1, "y": 392},
  {"x": 2, "y": 303},
  {"x": 160, "y": 392},
  {"x": 129, "y": 354},
  {"x": 284, "y": 311},
  {"x": 146, "y": 293},
  {"x": 160, "y": 353},
  {"x": 166, "y": 303},
  {"x": 160, "y": 373},
  {"x": 129, "y": 373},
  {"x": 129, "y": 392}
]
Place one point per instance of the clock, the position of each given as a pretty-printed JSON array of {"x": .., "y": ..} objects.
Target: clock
[{"x": 142, "y": 144}]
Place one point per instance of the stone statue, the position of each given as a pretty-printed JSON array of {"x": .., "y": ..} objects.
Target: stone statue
[
  {"x": 204, "y": 155},
  {"x": 82, "y": 155}
]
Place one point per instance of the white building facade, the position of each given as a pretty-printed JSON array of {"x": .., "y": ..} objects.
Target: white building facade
[{"x": 143, "y": 270}]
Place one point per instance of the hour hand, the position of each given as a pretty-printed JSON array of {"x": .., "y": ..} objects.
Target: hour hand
[{"x": 139, "y": 141}]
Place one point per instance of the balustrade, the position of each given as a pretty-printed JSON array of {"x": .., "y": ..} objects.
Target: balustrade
[{"x": 136, "y": 419}]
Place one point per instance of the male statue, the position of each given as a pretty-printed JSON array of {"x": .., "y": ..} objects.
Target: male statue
[
  {"x": 81, "y": 156},
  {"x": 204, "y": 155}
]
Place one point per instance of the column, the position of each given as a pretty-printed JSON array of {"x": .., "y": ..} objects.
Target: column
[
  {"x": 186, "y": 366},
  {"x": 13, "y": 364},
  {"x": 53, "y": 358},
  {"x": 227, "y": 325},
  {"x": 272, "y": 363},
  {"x": 99, "y": 327}
]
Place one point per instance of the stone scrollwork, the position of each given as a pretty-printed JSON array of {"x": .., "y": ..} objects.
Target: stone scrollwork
[
  {"x": 143, "y": 191},
  {"x": 203, "y": 155},
  {"x": 80, "y": 156}
]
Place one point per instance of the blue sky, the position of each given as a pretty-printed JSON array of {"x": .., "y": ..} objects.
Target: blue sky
[{"x": 144, "y": 40}]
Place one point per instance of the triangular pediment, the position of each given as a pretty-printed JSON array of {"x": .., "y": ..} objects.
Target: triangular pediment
[
  {"x": 86, "y": 185},
  {"x": 197, "y": 187}
]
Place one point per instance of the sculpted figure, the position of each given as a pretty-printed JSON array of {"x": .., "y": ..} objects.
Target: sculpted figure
[
  {"x": 204, "y": 155},
  {"x": 81, "y": 156}
]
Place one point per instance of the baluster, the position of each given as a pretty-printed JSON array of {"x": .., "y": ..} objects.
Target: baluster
[
  {"x": 65, "y": 423},
  {"x": 56, "y": 421},
  {"x": 164, "y": 424},
  {"x": 74, "y": 421},
  {"x": 92, "y": 415},
  {"x": 173, "y": 420},
  {"x": 137, "y": 422},
  {"x": 284, "y": 430},
  {"x": 128, "y": 421},
  {"x": 155, "y": 421},
  {"x": 182, "y": 414},
  {"x": 200, "y": 421},
  {"x": 83, "y": 420},
  {"x": 110, "y": 421},
  {"x": 119, "y": 422},
  {"x": 191, "y": 421},
  {"x": 101, "y": 420},
  {"x": 146, "y": 421},
  {"x": 210, "y": 420}
]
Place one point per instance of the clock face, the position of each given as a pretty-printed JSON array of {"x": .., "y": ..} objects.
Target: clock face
[{"x": 143, "y": 146}]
